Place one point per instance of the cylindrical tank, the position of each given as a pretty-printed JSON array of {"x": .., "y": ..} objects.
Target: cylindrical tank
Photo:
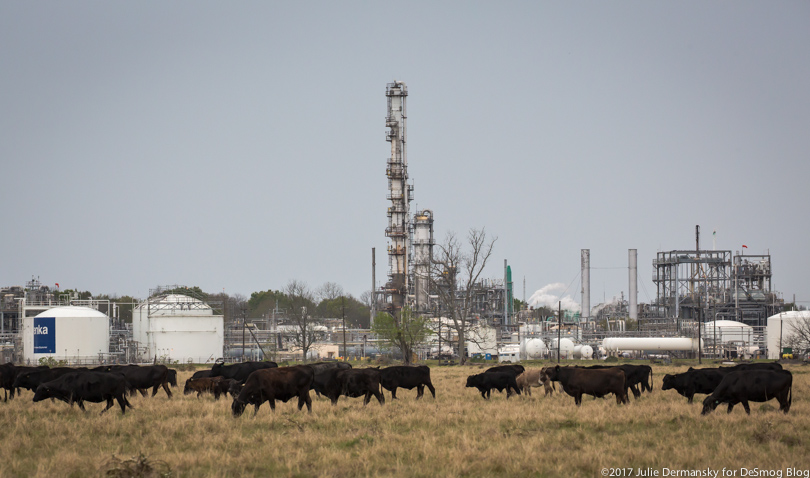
[
  {"x": 612, "y": 344},
  {"x": 566, "y": 348},
  {"x": 536, "y": 349},
  {"x": 178, "y": 327},
  {"x": 78, "y": 335},
  {"x": 584, "y": 352}
]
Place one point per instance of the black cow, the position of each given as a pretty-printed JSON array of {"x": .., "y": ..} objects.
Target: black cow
[
  {"x": 634, "y": 376},
  {"x": 363, "y": 382},
  {"x": 401, "y": 376},
  {"x": 752, "y": 386},
  {"x": 687, "y": 384},
  {"x": 142, "y": 378},
  {"x": 239, "y": 371},
  {"x": 322, "y": 374},
  {"x": 78, "y": 387},
  {"x": 488, "y": 380},
  {"x": 31, "y": 379},
  {"x": 201, "y": 374},
  {"x": 596, "y": 382},
  {"x": 271, "y": 384},
  {"x": 172, "y": 377},
  {"x": 8, "y": 374},
  {"x": 513, "y": 369},
  {"x": 216, "y": 385}
]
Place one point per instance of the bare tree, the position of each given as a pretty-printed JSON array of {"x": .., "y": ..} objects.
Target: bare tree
[
  {"x": 329, "y": 291},
  {"x": 454, "y": 271},
  {"x": 799, "y": 336},
  {"x": 301, "y": 306}
]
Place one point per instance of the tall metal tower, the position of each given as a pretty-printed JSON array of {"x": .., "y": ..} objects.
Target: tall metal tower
[
  {"x": 399, "y": 193},
  {"x": 422, "y": 257}
]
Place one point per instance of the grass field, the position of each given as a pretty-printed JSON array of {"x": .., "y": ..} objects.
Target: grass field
[{"x": 457, "y": 434}]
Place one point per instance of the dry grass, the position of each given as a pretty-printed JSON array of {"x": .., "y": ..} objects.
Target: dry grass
[{"x": 458, "y": 434}]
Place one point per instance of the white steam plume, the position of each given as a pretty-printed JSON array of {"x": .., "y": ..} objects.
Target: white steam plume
[{"x": 549, "y": 296}]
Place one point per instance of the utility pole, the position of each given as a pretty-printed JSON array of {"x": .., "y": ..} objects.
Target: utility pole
[
  {"x": 343, "y": 314},
  {"x": 559, "y": 328},
  {"x": 244, "y": 325}
]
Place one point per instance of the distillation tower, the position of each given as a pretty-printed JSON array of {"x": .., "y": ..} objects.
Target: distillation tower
[
  {"x": 422, "y": 255},
  {"x": 399, "y": 193}
]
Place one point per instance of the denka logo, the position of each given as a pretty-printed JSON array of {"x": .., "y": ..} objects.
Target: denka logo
[{"x": 40, "y": 330}]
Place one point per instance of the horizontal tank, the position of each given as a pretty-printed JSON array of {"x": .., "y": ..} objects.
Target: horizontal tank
[
  {"x": 649, "y": 343},
  {"x": 77, "y": 335}
]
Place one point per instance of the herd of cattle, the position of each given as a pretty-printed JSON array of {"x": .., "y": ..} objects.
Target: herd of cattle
[{"x": 253, "y": 383}]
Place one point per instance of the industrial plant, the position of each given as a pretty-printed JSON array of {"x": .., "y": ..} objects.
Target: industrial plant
[{"x": 708, "y": 303}]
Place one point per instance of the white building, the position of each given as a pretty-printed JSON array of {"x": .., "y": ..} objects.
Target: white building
[{"x": 178, "y": 328}]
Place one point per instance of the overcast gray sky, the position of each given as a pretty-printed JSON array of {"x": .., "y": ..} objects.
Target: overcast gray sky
[{"x": 238, "y": 145}]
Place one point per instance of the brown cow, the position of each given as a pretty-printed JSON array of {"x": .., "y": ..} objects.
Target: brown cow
[
  {"x": 534, "y": 378},
  {"x": 596, "y": 382},
  {"x": 271, "y": 384},
  {"x": 216, "y": 385}
]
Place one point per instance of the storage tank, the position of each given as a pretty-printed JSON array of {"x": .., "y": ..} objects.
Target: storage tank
[
  {"x": 566, "y": 348},
  {"x": 728, "y": 331},
  {"x": 613, "y": 344},
  {"x": 583, "y": 352},
  {"x": 179, "y": 328},
  {"x": 781, "y": 327},
  {"x": 535, "y": 349},
  {"x": 77, "y": 335}
]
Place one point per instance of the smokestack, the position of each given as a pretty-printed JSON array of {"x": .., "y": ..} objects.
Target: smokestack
[
  {"x": 586, "y": 285},
  {"x": 633, "y": 260},
  {"x": 373, "y": 286}
]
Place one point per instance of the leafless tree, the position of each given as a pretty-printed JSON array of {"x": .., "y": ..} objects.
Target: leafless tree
[
  {"x": 329, "y": 291},
  {"x": 455, "y": 268},
  {"x": 797, "y": 336},
  {"x": 301, "y": 305}
]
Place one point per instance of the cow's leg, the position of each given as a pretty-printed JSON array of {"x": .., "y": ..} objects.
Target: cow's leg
[
  {"x": 578, "y": 399},
  {"x": 746, "y": 407},
  {"x": 420, "y": 390},
  {"x": 635, "y": 390},
  {"x": 432, "y": 390},
  {"x": 484, "y": 394},
  {"x": 367, "y": 398},
  {"x": 730, "y": 407},
  {"x": 81, "y": 405},
  {"x": 393, "y": 393},
  {"x": 142, "y": 390},
  {"x": 110, "y": 403},
  {"x": 305, "y": 399},
  {"x": 165, "y": 387},
  {"x": 155, "y": 389},
  {"x": 380, "y": 397}
]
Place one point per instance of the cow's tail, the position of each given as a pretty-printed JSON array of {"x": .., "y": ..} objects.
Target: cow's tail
[{"x": 651, "y": 380}]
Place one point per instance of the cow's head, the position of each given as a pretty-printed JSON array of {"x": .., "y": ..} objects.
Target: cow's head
[
  {"x": 42, "y": 393},
  {"x": 709, "y": 404},
  {"x": 237, "y": 407},
  {"x": 187, "y": 389},
  {"x": 472, "y": 380},
  {"x": 669, "y": 382}
]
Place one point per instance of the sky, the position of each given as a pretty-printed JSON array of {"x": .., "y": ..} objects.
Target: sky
[{"x": 236, "y": 146}]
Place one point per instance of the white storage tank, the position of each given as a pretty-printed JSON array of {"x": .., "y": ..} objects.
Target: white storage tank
[
  {"x": 535, "y": 349},
  {"x": 725, "y": 331},
  {"x": 179, "y": 328},
  {"x": 613, "y": 344},
  {"x": 566, "y": 348},
  {"x": 77, "y": 335},
  {"x": 781, "y": 328},
  {"x": 583, "y": 352}
]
